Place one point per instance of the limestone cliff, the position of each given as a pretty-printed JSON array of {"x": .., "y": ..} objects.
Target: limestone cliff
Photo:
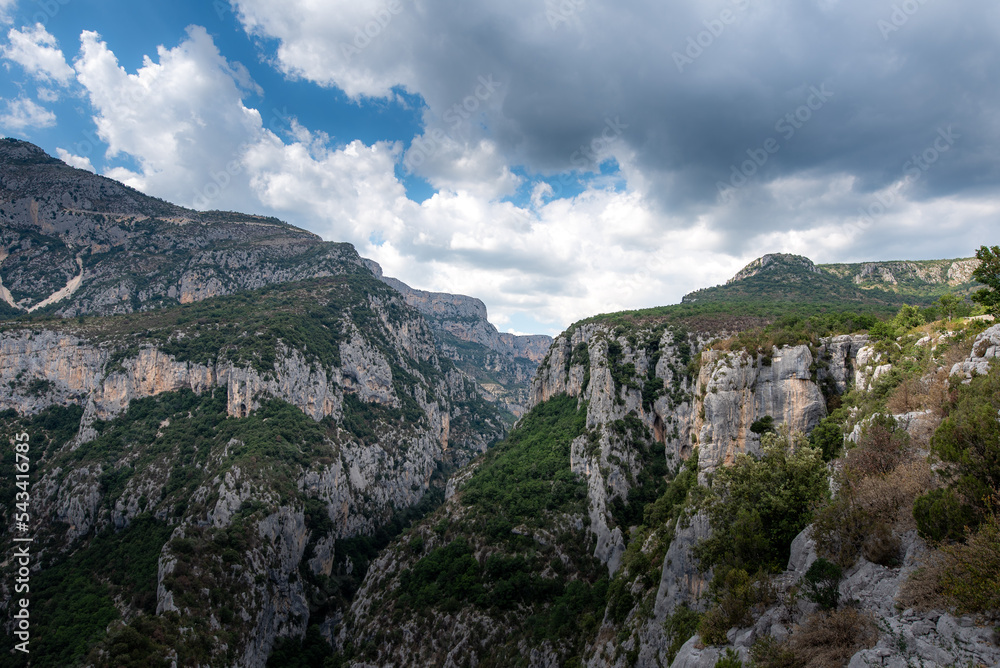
[
  {"x": 502, "y": 363},
  {"x": 652, "y": 394},
  {"x": 262, "y": 448}
]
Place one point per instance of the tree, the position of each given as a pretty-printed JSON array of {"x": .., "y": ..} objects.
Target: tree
[
  {"x": 908, "y": 317},
  {"x": 949, "y": 304},
  {"x": 988, "y": 273}
]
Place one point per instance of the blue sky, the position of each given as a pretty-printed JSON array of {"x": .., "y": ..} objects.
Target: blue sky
[{"x": 555, "y": 158}]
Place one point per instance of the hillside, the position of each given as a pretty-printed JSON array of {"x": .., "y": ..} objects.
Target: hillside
[
  {"x": 248, "y": 447},
  {"x": 74, "y": 243},
  {"x": 793, "y": 279},
  {"x": 654, "y": 460},
  {"x": 923, "y": 278}
]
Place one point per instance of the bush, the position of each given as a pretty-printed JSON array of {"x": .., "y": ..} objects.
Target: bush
[
  {"x": 737, "y": 595},
  {"x": 971, "y": 579},
  {"x": 761, "y": 504},
  {"x": 679, "y": 628},
  {"x": 766, "y": 652},
  {"x": 762, "y": 426},
  {"x": 822, "y": 583},
  {"x": 828, "y": 438},
  {"x": 941, "y": 515},
  {"x": 881, "y": 447},
  {"x": 832, "y": 638},
  {"x": 867, "y": 514},
  {"x": 969, "y": 439},
  {"x": 729, "y": 660}
]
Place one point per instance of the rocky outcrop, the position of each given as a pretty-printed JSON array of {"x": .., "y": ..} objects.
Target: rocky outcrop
[
  {"x": 985, "y": 350},
  {"x": 761, "y": 264},
  {"x": 682, "y": 580},
  {"x": 838, "y": 357},
  {"x": 905, "y": 276},
  {"x": 737, "y": 389},
  {"x": 502, "y": 363}
]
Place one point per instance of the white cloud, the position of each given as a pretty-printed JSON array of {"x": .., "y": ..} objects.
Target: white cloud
[
  {"x": 181, "y": 118},
  {"x": 7, "y": 10},
  {"x": 78, "y": 161},
  {"x": 24, "y": 113},
  {"x": 196, "y": 139},
  {"x": 36, "y": 50}
]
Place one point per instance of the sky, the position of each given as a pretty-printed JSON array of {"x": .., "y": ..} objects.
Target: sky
[{"x": 555, "y": 158}]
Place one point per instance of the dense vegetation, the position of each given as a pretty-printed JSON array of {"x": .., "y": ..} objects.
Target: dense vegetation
[
  {"x": 526, "y": 477},
  {"x": 73, "y": 598}
]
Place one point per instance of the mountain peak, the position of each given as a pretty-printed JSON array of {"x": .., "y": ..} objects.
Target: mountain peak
[
  {"x": 775, "y": 261},
  {"x": 23, "y": 152}
]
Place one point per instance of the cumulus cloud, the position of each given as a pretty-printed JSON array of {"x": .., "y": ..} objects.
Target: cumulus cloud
[
  {"x": 78, "y": 161},
  {"x": 36, "y": 50},
  {"x": 23, "y": 114},
  {"x": 181, "y": 118},
  {"x": 7, "y": 10},
  {"x": 702, "y": 87},
  {"x": 819, "y": 142}
]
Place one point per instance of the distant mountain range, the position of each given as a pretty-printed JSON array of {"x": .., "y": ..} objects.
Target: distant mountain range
[
  {"x": 249, "y": 447},
  {"x": 74, "y": 243}
]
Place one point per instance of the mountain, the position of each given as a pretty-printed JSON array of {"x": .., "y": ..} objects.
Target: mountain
[
  {"x": 921, "y": 278},
  {"x": 594, "y": 534},
  {"x": 74, "y": 243},
  {"x": 793, "y": 279},
  {"x": 248, "y": 447},
  {"x": 205, "y": 389},
  {"x": 502, "y": 363}
]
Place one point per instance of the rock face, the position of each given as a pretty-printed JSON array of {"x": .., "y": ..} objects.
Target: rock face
[
  {"x": 502, "y": 363},
  {"x": 905, "y": 276},
  {"x": 170, "y": 427},
  {"x": 136, "y": 252},
  {"x": 984, "y": 351},
  {"x": 737, "y": 390},
  {"x": 74, "y": 243},
  {"x": 761, "y": 264}
]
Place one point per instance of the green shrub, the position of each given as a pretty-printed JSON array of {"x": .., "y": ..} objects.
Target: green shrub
[
  {"x": 760, "y": 504},
  {"x": 764, "y": 425},
  {"x": 679, "y": 627},
  {"x": 969, "y": 439},
  {"x": 822, "y": 583},
  {"x": 729, "y": 660},
  {"x": 766, "y": 652},
  {"x": 941, "y": 515},
  {"x": 971, "y": 580},
  {"x": 828, "y": 438},
  {"x": 737, "y": 595}
]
